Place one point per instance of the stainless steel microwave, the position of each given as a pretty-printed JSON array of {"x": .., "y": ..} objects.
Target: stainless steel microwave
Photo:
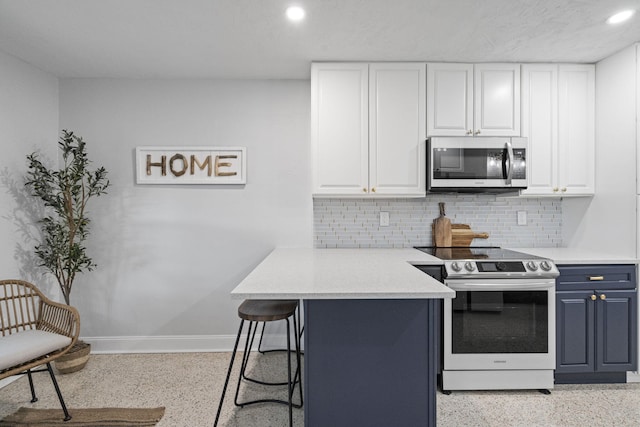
[{"x": 476, "y": 164}]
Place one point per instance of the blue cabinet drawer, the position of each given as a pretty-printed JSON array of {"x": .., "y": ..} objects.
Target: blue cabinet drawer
[{"x": 596, "y": 277}]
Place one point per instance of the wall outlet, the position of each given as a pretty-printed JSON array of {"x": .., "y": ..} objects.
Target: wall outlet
[
  {"x": 384, "y": 219},
  {"x": 522, "y": 217}
]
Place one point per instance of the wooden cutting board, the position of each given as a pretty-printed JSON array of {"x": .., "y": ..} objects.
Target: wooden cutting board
[
  {"x": 462, "y": 235},
  {"x": 442, "y": 236}
]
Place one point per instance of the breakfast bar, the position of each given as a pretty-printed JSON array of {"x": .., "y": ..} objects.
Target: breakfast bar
[{"x": 370, "y": 331}]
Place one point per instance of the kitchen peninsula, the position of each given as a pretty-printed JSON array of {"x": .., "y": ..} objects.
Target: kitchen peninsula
[{"x": 369, "y": 331}]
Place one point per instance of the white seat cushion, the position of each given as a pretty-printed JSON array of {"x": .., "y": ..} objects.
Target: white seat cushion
[{"x": 23, "y": 346}]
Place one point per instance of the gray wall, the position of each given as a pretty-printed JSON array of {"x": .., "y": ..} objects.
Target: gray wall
[
  {"x": 28, "y": 122},
  {"x": 168, "y": 256}
]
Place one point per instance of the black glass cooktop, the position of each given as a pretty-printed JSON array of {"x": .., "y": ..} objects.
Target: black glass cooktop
[{"x": 475, "y": 252}]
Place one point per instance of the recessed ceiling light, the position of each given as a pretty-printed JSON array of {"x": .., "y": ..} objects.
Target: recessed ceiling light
[
  {"x": 295, "y": 13},
  {"x": 620, "y": 17}
]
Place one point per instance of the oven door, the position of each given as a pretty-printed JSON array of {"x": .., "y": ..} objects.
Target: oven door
[{"x": 500, "y": 324}]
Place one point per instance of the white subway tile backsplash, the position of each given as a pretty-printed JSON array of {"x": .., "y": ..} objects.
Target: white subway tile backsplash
[{"x": 355, "y": 223}]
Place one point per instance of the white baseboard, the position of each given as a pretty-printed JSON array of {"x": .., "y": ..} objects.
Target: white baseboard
[
  {"x": 633, "y": 377},
  {"x": 174, "y": 343}
]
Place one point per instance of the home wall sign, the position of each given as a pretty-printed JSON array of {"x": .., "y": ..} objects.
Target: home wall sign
[{"x": 191, "y": 165}]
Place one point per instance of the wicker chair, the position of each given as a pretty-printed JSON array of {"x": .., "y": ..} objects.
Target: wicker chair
[{"x": 34, "y": 331}]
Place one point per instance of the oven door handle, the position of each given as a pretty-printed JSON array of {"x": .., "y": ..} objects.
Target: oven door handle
[{"x": 495, "y": 286}]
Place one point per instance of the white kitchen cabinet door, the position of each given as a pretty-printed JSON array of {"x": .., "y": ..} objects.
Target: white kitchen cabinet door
[
  {"x": 497, "y": 100},
  {"x": 339, "y": 128},
  {"x": 540, "y": 127},
  {"x": 576, "y": 130},
  {"x": 558, "y": 120},
  {"x": 473, "y": 100},
  {"x": 397, "y": 158},
  {"x": 449, "y": 99}
]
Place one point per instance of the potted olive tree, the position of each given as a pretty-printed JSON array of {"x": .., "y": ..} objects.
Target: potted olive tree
[{"x": 65, "y": 225}]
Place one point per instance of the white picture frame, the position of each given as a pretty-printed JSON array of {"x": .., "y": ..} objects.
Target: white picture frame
[{"x": 191, "y": 165}]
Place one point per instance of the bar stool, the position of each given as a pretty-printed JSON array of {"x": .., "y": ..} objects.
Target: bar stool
[{"x": 256, "y": 311}]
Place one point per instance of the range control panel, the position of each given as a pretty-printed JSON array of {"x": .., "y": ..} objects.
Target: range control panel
[{"x": 523, "y": 268}]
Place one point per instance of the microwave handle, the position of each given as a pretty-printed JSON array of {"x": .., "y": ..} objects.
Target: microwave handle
[{"x": 510, "y": 159}]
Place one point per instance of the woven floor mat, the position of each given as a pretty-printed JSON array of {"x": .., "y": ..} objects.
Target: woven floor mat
[{"x": 86, "y": 417}]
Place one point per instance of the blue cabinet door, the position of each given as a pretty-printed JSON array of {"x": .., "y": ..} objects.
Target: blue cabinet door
[
  {"x": 575, "y": 343},
  {"x": 369, "y": 363},
  {"x": 616, "y": 329}
]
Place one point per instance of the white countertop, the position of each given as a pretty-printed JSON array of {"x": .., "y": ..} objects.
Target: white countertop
[
  {"x": 579, "y": 256},
  {"x": 342, "y": 274}
]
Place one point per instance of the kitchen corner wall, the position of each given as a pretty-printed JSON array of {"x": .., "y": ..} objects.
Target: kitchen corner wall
[
  {"x": 607, "y": 222},
  {"x": 355, "y": 223},
  {"x": 28, "y": 123}
]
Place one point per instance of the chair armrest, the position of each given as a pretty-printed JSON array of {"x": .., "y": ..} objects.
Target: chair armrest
[
  {"x": 59, "y": 319},
  {"x": 24, "y": 309}
]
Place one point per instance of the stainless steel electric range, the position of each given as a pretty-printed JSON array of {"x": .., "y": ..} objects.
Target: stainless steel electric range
[{"x": 499, "y": 330}]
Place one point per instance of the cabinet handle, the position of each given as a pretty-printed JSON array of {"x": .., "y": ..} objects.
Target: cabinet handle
[
  {"x": 555, "y": 189},
  {"x": 596, "y": 278},
  {"x": 564, "y": 189},
  {"x": 469, "y": 132},
  {"x": 364, "y": 190},
  {"x": 593, "y": 298},
  {"x": 603, "y": 297},
  {"x": 373, "y": 190},
  {"x": 478, "y": 132}
]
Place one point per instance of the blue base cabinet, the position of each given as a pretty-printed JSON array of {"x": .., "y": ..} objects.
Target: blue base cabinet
[
  {"x": 369, "y": 363},
  {"x": 596, "y": 323}
]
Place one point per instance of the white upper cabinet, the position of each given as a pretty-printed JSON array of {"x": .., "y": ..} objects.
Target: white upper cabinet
[
  {"x": 339, "y": 127},
  {"x": 558, "y": 120},
  {"x": 449, "y": 99},
  {"x": 368, "y": 129},
  {"x": 397, "y": 148},
  {"x": 497, "y": 99},
  {"x": 540, "y": 126},
  {"x": 576, "y": 129},
  {"x": 473, "y": 100}
]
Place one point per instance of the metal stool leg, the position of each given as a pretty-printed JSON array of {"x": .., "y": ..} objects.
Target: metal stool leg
[
  {"x": 247, "y": 352},
  {"x": 289, "y": 386},
  {"x": 298, "y": 376},
  {"x": 67, "y": 417},
  {"x": 243, "y": 367},
  {"x": 264, "y": 324},
  {"x": 246, "y": 360},
  {"x": 260, "y": 350},
  {"x": 226, "y": 382},
  {"x": 250, "y": 311}
]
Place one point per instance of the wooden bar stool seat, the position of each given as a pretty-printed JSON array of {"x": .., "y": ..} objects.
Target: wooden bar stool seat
[
  {"x": 267, "y": 310},
  {"x": 254, "y": 312}
]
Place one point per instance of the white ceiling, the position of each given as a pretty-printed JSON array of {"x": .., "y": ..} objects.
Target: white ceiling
[{"x": 252, "y": 39}]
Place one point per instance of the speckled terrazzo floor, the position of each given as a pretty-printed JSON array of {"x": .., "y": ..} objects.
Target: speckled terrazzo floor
[{"x": 189, "y": 386}]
